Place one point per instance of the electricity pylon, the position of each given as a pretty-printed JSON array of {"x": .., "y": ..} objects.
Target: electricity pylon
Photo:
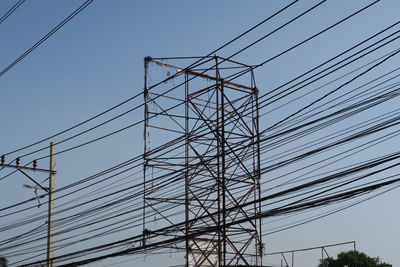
[{"x": 202, "y": 135}]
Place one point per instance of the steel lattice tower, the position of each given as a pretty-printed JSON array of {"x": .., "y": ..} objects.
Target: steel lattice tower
[{"x": 202, "y": 160}]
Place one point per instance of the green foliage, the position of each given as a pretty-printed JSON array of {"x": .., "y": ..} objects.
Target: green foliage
[
  {"x": 3, "y": 262},
  {"x": 353, "y": 259}
]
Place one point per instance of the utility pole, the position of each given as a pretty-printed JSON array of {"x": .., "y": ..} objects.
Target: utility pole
[
  {"x": 50, "y": 190},
  {"x": 51, "y": 207}
]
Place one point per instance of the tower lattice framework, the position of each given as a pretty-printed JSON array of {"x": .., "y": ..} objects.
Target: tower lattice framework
[{"x": 202, "y": 160}]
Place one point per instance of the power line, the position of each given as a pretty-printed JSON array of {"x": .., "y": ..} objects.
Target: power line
[
  {"x": 47, "y": 36},
  {"x": 276, "y": 211},
  {"x": 11, "y": 10}
]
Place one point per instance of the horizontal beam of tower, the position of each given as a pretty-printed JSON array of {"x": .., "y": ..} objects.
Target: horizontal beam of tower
[{"x": 199, "y": 74}]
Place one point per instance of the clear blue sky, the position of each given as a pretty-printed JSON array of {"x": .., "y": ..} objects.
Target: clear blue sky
[{"x": 96, "y": 61}]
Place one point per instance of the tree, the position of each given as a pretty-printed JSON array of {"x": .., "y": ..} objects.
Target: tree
[
  {"x": 3, "y": 262},
  {"x": 353, "y": 259}
]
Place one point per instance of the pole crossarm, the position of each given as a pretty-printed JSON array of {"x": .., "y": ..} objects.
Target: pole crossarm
[{"x": 27, "y": 168}]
